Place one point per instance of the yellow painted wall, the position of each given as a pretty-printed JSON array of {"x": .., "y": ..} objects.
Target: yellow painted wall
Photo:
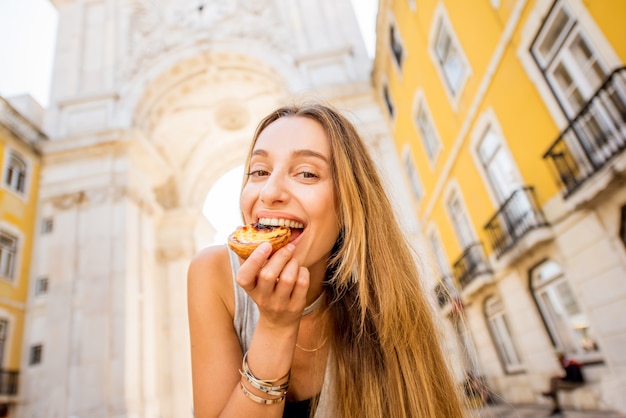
[
  {"x": 527, "y": 125},
  {"x": 20, "y": 213}
]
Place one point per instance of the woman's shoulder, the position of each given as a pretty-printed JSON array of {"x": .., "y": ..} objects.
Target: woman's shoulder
[{"x": 210, "y": 273}]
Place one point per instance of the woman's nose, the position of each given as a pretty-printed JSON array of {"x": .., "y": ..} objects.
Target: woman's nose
[{"x": 273, "y": 191}]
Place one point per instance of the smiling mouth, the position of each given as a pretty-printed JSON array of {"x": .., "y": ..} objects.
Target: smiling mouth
[
  {"x": 281, "y": 222},
  {"x": 295, "y": 227}
]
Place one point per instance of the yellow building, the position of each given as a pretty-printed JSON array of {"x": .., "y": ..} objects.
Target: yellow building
[
  {"x": 18, "y": 202},
  {"x": 510, "y": 120}
]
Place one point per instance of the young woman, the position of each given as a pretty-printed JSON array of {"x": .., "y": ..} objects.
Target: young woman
[{"x": 335, "y": 324}]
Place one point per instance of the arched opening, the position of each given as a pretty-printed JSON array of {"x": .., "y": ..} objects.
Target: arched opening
[{"x": 221, "y": 206}]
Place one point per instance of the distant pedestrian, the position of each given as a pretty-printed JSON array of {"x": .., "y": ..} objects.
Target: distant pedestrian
[{"x": 572, "y": 379}]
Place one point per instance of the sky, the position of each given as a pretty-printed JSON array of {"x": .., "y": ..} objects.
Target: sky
[{"x": 30, "y": 27}]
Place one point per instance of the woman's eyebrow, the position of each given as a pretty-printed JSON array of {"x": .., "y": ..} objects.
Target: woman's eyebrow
[
  {"x": 260, "y": 152},
  {"x": 310, "y": 153},
  {"x": 296, "y": 153}
]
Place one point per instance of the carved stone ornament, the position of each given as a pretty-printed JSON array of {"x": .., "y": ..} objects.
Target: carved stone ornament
[
  {"x": 158, "y": 26},
  {"x": 99, "y": 196}
]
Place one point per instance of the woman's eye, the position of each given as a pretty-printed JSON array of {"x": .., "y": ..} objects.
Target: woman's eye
[
  {"x": 307, "y": 175},
  {"x": 258, "y": 173}
]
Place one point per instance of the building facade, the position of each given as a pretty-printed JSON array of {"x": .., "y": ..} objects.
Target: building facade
[
  {"x": 151, "y": 103},
  {"x": 509, "y": 117},
  {"x": 21, "y": 162}
]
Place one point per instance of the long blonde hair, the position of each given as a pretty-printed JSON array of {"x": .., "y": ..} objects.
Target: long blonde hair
[{"x": 386, "y": 348}]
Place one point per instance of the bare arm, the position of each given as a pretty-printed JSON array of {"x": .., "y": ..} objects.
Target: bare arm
[{"x": 215, "y": 351}]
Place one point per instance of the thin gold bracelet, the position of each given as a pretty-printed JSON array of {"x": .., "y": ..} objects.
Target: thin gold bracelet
[{"x": 258, "y": 399}]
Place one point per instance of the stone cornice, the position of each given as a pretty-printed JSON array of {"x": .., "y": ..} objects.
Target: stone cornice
[
  {"x": 19, "y": 125},
  {"x": 100, "y": 196}
]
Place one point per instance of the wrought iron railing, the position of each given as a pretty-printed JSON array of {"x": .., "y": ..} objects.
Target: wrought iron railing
[
  {"x": 471, "y": 264},
  {"x": 594, "y": 137},
  {"x": 8, "y": 382},
  {"x": 517, "y": 216}
]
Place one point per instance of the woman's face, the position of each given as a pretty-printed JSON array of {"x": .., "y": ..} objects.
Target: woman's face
[{"x": 290, "y": 180}]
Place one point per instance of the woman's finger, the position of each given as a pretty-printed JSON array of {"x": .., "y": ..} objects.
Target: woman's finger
[
  {"x": 301, "y": 287},
  {"x": 273, "y": 268},
  {"x": 247, "y": 273}
]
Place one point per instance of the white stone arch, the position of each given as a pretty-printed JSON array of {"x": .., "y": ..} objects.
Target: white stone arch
[{"x": 199, "y": 116}]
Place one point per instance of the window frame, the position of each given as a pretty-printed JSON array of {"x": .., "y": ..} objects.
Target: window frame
[
  {"x": 35, "y": 354},
  {"x": 388, "y": 101},
  {"x": 442, "y": 25},
  {"x": 13, "y": 253},
  {"x": 542, "y": 286},
  {"x": 429, "y": 135},
  {"x": 466, "y": 226},
  {"x": 7, "y": 173},
  {"x": 439, "y": 252},
  {"x": 560, "y": 55},
  {"x": 412, "y": 173},
  {"x": 42, "y": 286},
  {"x": 500, "y": 331},
  {"x": 395, "y": 35}
]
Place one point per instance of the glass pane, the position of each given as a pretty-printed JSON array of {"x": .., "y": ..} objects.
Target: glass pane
[
  {"x": 554, "y": 32},
  {"x": 587, "y": 62},
  {"x": 427, "y": 131},
  {"x": 488, "y": 147},
  {"x": 558, "y": 322},
  {"x": 454, "y": 69},
  {"x": 570, "y": 90},
  {"x": 443, "y": 44}
]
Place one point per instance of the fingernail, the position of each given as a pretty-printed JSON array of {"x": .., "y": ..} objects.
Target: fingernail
[{"x": 291, "y": 247}]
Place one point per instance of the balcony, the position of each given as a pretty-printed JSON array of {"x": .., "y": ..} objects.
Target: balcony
[
  {"x": 593, "y": 138},
  {"x": 517, "y": 216},
  {"x": 471, "y": 265}
]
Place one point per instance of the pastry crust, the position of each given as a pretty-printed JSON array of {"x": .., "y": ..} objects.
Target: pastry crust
[{"x": 244, "y": 240}]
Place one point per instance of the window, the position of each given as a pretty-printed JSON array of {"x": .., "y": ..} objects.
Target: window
[
  {"x": 41, "y": 286},
  {"x": 426, "y": 128},
  {"x": 440, "y": 257},
  {"x": 568, "y": 60},
  {"x": 498, "y": 164},
  {"x": 47, "y": 225},
  {"x": 460, "y": 220},
  {"x": 8, "y": 252},
  {"x": 15, "y": 178},
  {"x": 449, "y": 57},
  {"x": 501, "y": 334},
  {"x": 3, "y": 338},
  {"x": 396, "y": 45},
  {"x": 388, "y": 102},
  {"x": 567, "y": 324},
  {"x": 411, "y": 171},
  {"x": 35, "y": 356}
]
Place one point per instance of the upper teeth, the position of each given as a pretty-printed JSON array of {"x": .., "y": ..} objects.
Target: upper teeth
[{"x": 281, "y": 222}]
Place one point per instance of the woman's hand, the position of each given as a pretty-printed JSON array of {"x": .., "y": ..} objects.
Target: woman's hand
[{"x": 277, "y": 285}]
